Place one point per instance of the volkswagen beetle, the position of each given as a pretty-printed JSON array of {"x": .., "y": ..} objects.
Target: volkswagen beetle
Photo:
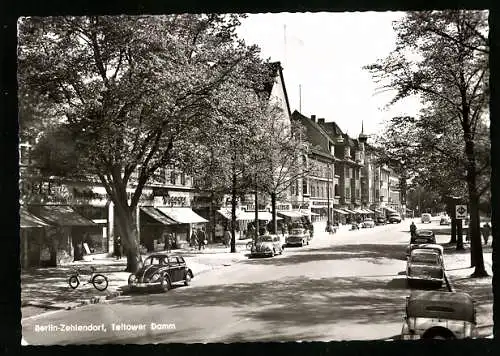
[
  {"x": 298, "y": 236},
  {"x": 160, "y": 271},
  {"x": 425, "y": 265},
  {"x": 267, "y": 245}
]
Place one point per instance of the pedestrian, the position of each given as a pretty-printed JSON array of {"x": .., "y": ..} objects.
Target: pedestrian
[
  {"x": 486, "y": 230},
  {"x": 118, "y": 248},
  {"x": 227, "y": 238},
  {"x": 201, "y": 239},
  {"x": 167, "y": 242},
  {"x": 413, "y": 229},
  {"x": 193, "y": 240}
]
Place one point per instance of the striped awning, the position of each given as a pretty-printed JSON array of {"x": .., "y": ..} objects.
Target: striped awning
[
  {"x": 182, "y": 215},
  {"x": 157, "y": 215}
]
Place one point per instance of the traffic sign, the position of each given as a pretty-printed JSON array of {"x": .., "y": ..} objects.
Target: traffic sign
[{"x": 461, "y": 212}]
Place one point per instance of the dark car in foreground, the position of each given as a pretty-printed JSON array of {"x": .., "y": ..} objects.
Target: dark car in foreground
[
  {"x": 160, "y": 271},
  {"x": 439, "y": 315}
]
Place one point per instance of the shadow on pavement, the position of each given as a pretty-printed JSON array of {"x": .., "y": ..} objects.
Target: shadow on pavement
[
  {"x": 296, "y": 301},
  {"x": 366, "y": 251}
]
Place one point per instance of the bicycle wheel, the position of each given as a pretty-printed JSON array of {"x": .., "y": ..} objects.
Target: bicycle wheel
[
  {"x": 100, "y": 282},
  {"x": 73, "y": 282}
]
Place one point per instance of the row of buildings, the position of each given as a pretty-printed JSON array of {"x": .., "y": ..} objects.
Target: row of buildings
[{"x": 75, "y": 214}]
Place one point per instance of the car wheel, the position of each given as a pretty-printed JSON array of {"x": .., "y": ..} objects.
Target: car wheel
[
  {"x": 187, "y": 279},
  {"x": 165, "y": 284}
]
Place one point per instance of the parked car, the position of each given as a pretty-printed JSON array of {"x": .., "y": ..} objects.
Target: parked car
[
  {"x": 421, "y": 237},
  {"x": 160, "y": 271},
  {"x": 380, "y": 220},
  {"x": 298, "y": 236},
  {"x": 394, "y": 218},
  {"x": 439, "y": 315},
  {"x": 445, "y": 220},
  {"x": 426, "y": 218},
  {"x": 368, "y": 223},
  {"x": 267, "y": 245},
  {"x": 425, "y": 265}
]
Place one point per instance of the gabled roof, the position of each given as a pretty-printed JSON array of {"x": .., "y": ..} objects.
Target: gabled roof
[{"x": 277, "y": 70}]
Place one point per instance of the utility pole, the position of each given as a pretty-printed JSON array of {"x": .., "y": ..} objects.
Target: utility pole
[{"x": 328, "y": 194}]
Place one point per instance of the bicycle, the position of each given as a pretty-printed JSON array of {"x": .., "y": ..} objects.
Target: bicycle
[{"x": 99, "y": 281}]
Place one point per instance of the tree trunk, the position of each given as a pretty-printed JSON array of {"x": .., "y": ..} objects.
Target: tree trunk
[
  {"x": 453, "y": 231},
  {"x": 256, "y": 215},
  {"x": 474, "y": 231},
  {"x": 273, "y": 209},
  {"x": 233, "y": 213},
  {"x": 460, "y": 235},
  {"x": 128, "y": 235}
]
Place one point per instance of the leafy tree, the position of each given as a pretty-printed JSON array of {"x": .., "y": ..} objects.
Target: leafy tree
[
  {"x": 282, "y": 140},
  {"x": 128, "y": 88},
  {"x": 442, "y": 57}
]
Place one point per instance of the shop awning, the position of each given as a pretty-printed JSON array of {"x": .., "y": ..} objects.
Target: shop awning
[
  {"x": 182, "y": 215},
  {"x": 359, "y": 211},
  {"x": 314, "y": 214},
  {"x": 368, "y": 211},
  {"x": 157, "y": 215},
  {"x": 240, "y": 215},
  {"x": 349, "y": 211},
  {"x": 340, "y": 211},
  {"x": 378, "y": 211},
  {"x": 291, "y": 214},
  {"x": 29, "y": 220},
  {"x": 265, "y": 216},
  {"x": 61, "y": 215},
  {"x": 391, "y": 210}
]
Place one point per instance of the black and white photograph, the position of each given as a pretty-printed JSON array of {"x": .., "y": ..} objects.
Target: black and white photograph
[{"x": 255, "y": 177}]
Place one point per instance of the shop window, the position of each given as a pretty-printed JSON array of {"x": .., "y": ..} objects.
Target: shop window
[
  {"x": 348, "y": 192},
  {"x": 337, "y": 193},
  {"x": 172, "y": 176},
  {"x": 183, "y": 179}
]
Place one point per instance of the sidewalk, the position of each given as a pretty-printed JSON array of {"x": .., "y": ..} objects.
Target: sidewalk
[{"x": 45, "y": 289}]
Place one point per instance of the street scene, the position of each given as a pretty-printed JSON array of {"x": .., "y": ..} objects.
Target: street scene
[
  {"x": 220, "y": 178},
  {"x": 347, "y": 286}
]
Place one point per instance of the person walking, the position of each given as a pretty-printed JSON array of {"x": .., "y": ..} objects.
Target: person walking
[
  {"x": 201, "y": 239},
  {"x": 486, "y": 230},
  {"x": 168, "y": 242},
  {"x": 413, "y": 229},
  {"x": 194, "y": 240},
  {"x": 118, "y": 248},
  {"x": 227, "y": 238}
]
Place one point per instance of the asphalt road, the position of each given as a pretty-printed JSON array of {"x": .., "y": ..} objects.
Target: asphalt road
[{"x": 346, "y": 286}]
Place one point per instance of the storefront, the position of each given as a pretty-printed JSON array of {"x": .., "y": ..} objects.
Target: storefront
[
  {"x": 66, "y": 237},
  {"x": 186, "y": 221},
  {"x": 32, "y": 230},
  {"x": 153, "y": 225}
]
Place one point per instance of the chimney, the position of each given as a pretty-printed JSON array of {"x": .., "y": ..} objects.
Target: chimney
[
  {"x": 321, "y": 121},
  {"x": 313, "y": 118}
]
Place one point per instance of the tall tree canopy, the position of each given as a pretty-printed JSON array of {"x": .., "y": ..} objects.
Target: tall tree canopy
[
  {"x": 128, "y": 88},
  {"x": 442, "y": 56}
]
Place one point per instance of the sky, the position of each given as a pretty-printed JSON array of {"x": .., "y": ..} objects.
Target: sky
[{"x": 323, "y": 54}]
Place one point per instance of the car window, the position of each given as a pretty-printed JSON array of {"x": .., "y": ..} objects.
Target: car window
[
  {"x": 173, "y": 261},
  {"x": 181, "y": 259},
  {"x": 297, "y": 231},
  {"x": 151, "y": 261},
  {"x": 430, "y": 258}
]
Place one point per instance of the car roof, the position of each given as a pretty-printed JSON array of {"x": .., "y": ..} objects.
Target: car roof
[
  {"x": 425, "y": 232},
  {"x": 423, "y": 251},
  {"x": 162, "y": 254},
  {"x": 429, "y": 247},
  {"x": 445, "y": 305}
]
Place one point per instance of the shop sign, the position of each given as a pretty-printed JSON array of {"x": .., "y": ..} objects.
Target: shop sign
[{"x": 283, "y": 207}]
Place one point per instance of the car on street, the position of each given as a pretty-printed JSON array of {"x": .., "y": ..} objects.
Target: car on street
[
  {"x": 421, "y": 237},
  {"x": 439, "y": 315},
  {"x": 425, "y": 218},
  {"x": 425, "y": 265},
  {"x": 298, "y": 236},
  {"x": 394, "y": 218},
  {"x": 368, "y": 223},
  {"x": 445, "y": 220},
  {"x": 160, "y": 271},
  {"x": 267, "y": 245},
  {"x": 380, "y": 220}
]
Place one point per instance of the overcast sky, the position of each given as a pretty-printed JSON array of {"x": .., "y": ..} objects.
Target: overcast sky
[{"x": 324, "y": 54}]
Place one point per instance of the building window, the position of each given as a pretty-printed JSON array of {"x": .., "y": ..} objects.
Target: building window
[
  {"x": 304, "y": 186},
  {"x": 348, "y": 192},
  {"x": 377, "y": 194},
  {"x": 183, "y": 179},
  {"x": 347, "y": 172},
  {"x": 337, "y": 190},
  {"x": 313, "y": 191},
  {"x": 358, "y": 194}
]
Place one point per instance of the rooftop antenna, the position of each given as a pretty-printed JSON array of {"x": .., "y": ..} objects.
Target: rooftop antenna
[{"x": 300, "y": 98}]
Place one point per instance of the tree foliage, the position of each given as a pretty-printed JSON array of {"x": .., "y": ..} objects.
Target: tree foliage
[
  {"x": 129, "y": 89},
  {"x": 441, "y": 56}
]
